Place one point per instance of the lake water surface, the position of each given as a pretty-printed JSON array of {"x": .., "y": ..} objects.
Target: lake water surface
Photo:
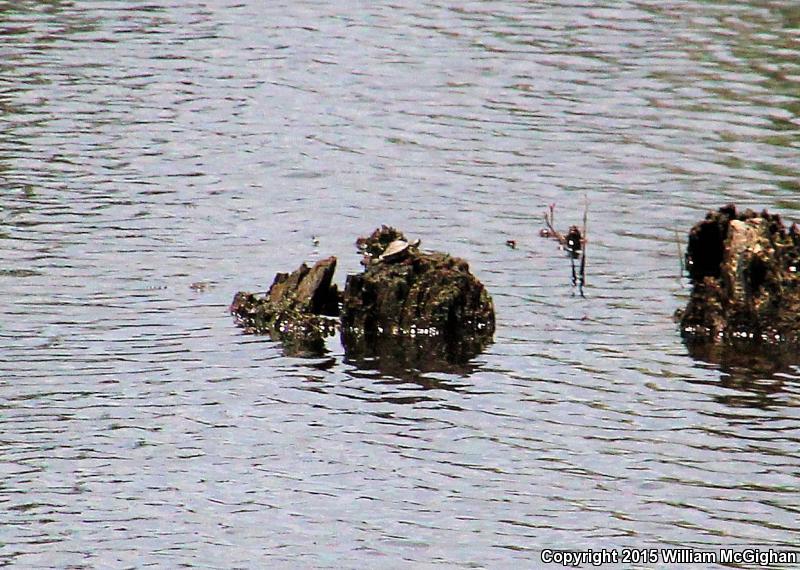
[{"x": 156, "y": 157}]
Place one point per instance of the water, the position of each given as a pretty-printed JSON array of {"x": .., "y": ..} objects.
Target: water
[{"x": 156, "y": 157}]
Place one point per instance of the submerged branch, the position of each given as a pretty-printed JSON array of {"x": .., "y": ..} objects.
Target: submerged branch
[{"x": 574, "y": 242}]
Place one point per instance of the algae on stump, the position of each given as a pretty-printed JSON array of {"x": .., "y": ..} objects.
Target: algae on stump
[
  {"x": 415, "y": 309},
  {"x": 295, "y": 308},
  {"x": 746, "y": 284},
  {"x": 422, "y": 293}
]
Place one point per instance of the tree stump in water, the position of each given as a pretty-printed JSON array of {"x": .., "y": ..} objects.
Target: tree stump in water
[
  {"x": 421, "y": 292},
  {"x": 417, "y": 310},
  {"x": 295, "y": 308},
  {"x": 425, "y": 306},
  {"x": 745, "y": 272}
]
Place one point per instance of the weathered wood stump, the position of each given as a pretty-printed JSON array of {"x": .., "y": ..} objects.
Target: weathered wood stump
[
  {"x": 296, "y": 310},
  {"x": 420, "y": 293},
  {"x": 416, "y": 310},
  {"x": 745, "y": 272},
  {"x": 428, "y": 304}
]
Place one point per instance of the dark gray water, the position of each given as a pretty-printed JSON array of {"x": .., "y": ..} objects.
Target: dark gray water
[{"x": 156, "y": 157}]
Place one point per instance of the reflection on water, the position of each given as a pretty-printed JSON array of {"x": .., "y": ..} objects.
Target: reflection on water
[
  {"x": 760, "y": 376},
  {"x": 403, "y": 355},
  {"x": 149, "y": 146},
  {"x": 395, "y": 355}
]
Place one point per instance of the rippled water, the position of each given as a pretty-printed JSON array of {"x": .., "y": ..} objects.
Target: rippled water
[{"x": 156, "y": 157}]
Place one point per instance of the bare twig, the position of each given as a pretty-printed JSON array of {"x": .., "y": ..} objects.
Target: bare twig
[
  {"x": 574, "y": 242},
  {"x": 551, "y": 231},
  {"x": 584, "y": 240}
]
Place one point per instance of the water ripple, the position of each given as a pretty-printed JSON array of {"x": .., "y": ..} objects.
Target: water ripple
[{"x": 156, "y": 157}]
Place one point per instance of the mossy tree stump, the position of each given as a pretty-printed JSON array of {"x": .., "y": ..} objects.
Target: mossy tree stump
[{"x": 745, "y": 272}]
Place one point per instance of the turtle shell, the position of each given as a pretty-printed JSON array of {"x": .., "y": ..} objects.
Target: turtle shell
[{"x": 394, "y": 250}]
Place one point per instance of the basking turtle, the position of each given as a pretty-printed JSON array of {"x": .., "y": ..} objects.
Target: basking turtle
[{"x": 397, "y": 250}]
